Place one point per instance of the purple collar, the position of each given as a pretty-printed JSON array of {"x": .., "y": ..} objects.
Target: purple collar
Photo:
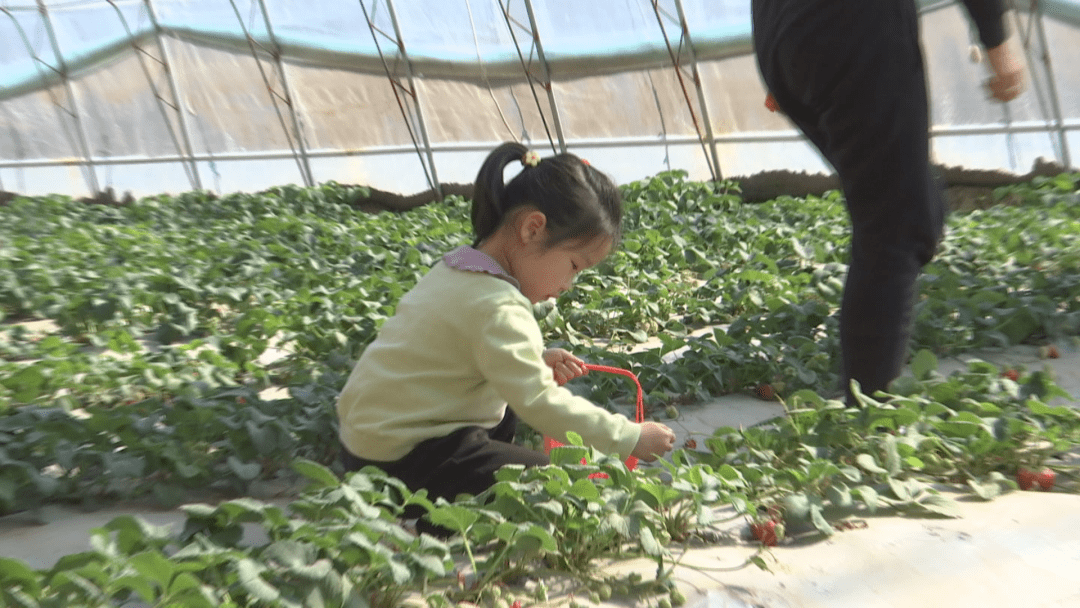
[{"x": 474, "y": 260}]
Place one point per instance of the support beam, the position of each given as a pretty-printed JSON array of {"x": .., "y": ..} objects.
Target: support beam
[
  {"x": 686, "y": 47},
  {"x": 305, "y": 162},
  {"x": 162, "y": 104},
  {"x": 73, "y": 111},
  {"x": 545, "y": 71},
  {"x": 1055, "y": 99},
  {"x": 757, "y": 137},
  {"x": 181, "y": 116},
  {"x": 291, "y": 136},
  {"x": 544, "y": 78},
  {"x": 702, "y": 99},
  {"x": 410, "y": 105}
]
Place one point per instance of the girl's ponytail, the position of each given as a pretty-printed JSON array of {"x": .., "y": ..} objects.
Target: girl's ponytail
[
  {"x": 579, "y": 202},
  {"x": 488, "y": 206}
]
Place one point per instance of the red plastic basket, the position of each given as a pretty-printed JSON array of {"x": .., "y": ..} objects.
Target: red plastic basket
[{"x": 631, "y": 461}]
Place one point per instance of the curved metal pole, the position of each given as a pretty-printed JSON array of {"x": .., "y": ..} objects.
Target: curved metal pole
[
  {"x": 309, "y": 178},
  {"x": 1055, "y": 99},
  {"x": 416, "y": 97},
  {"x": 529, "y": 77},
  {"x": 676, "y": 60},
  {"x": 270, "y": 90},
  {"x": 412, "y": 112},
  {"x": 189, "y": 167},
  {"x": 546, "y": 73},
  {"x": 702, "y": 101},
  {"x": 185, "y": 132},
  {"x": 80, "y": 132}
]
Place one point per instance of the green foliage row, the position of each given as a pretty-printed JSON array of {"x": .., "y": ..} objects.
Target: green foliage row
[
  {"x": 341, "y": 543},
  {"x": 167, "y": 306}
]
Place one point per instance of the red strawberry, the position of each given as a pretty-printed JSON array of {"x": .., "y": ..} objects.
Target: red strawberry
[
  {"x": 1049, "y": 352},
  {"x": 690, "y": 443},
  {"x": 1025, "y": 479},
  {"x": 1045, "y": 479},
  {"x": 1011, "y": 374},
  {"x": 765, "y": 391},
  {"x": 768, "y": 532}
]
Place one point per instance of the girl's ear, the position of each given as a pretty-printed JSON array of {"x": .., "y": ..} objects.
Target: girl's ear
[{"x": 532, "y": 227}]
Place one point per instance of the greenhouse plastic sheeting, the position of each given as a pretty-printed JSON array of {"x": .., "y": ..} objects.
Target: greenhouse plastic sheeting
[{"x": 168, "y": 95}]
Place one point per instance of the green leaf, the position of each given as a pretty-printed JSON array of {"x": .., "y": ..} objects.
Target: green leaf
[
  {"x": 892, "y": 455},
  {"x": 839, "y": 494},
  {"x": 430, "y": 564},
  {"x": 585, "y": 489},
  {"x": 137, "y": 584},
  {"x": 245, "y": 471},
  {"x": 986, "y": 490},
  {"x": 547, "y": 541},
  {"x": 153, "y": 566},
  {"x": 22, "y": 598},
  {"x": 454, "y": 517},
  {"x": 321, "y": 475},
  {"x": 1019, "y": 325},
  {"x": 796, "y": 507},
  {"x": 905, "y": 491},
  {"x": 869, "y": 464},
  {"x": 923, "y": 365},
  {"x": 869, "y": 496},
  {"x": 648, "y": 542},
  {"x": 399, "y": 571},
  {"x": 819, "y": 521},
  {"x": 249, "y": 576},
  {"x": 184, "y": 581},
  {"x": 942, "y": 505},
  {"x": 14, "y": 573},
  {"x": 199, "y": 510},
  {"x": 568, "y": 455},
  {"x": 617, "y": 523}
]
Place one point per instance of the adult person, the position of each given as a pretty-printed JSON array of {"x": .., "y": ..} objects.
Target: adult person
[{"x": 850, "y": 75}]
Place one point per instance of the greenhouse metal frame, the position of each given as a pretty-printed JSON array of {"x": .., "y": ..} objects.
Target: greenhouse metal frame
[{"x": 194, "y": 108}]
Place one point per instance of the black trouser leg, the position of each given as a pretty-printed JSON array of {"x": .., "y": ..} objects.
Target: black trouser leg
[
  {"x": 850, "y": 75},
  {"x": 463, "y": 462}
]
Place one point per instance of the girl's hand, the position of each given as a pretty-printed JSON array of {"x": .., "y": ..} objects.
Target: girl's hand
[
  {"x": 565, "y": 366},
  {"x": 655, "y": 441}
]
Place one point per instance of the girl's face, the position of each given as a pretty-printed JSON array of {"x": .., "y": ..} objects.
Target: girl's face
[{"x": 546, "y": 273}]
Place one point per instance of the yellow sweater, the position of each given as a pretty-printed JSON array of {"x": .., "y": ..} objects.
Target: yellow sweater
[{"x": 461, "y": 347}]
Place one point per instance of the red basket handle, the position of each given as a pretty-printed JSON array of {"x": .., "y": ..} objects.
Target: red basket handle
[{"x": 639, "y": 414}]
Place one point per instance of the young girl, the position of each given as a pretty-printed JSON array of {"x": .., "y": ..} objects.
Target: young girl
[{"x": 434, "y": 400}]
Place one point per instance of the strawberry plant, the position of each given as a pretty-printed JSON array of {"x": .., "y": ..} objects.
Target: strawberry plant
[{"x": 137, "y": 343}]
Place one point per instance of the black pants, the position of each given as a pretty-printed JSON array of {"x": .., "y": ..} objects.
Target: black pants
[
  {"x": 849, "y": 74},
  {"x": 464, "y": 461}
]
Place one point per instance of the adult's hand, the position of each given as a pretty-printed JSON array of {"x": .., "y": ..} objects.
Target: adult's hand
[{"x": 1007, "y": 81}]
